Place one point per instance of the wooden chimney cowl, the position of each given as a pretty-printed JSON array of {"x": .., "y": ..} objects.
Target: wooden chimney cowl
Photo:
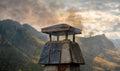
[{"x": 64, "y": 55}]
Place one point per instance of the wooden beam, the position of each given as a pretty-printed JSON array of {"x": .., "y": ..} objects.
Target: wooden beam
[
  {"x": 57, "y": 37},
  {"x": 50, "y": 36},
  {"x": 66, "y": 35},
  {"x": 73, "y": 37}
]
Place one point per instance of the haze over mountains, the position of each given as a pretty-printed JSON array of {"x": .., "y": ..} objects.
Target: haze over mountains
[
  {"x": 116, "y": 42},
  {"x": 21, "y": 46}
]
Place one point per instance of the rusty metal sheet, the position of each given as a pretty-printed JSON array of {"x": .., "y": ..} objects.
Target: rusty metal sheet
[
  {"x": 44, "y": 59},
  {"x": 55, "y": 53}
]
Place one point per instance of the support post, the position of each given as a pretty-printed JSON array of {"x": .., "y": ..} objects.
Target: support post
[
  {"x": 73, "y": 37},
  {"x": 57, "y": 37},
  {"x": 66, "y": 35},
  {"x": 50, "y": 36}
]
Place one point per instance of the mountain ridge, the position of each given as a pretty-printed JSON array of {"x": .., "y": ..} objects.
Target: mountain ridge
[
  {"x": 28, "y": 43},
  {"x": 20, "y": 37},
  {"x": 19, "y": 49},
  {"x": 99, "y": 47}
]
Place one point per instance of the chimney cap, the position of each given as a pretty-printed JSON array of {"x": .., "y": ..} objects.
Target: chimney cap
[{"x": 61, "y": 29}]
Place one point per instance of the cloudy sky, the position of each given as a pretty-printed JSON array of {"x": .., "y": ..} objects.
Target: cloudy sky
[{"x": 93, "y": 16}]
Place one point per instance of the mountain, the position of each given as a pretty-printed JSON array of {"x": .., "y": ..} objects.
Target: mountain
[
  {"x": 20, "y": 37},
  {"x": 36, "y": 33},
  {"x": 23, "y": 48},
  {"x": 11, "y": 59},
  {"x": 99, "y": 53}
]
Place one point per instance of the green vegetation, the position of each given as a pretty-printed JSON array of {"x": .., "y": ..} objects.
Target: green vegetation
[
  {"x": 21, "y": 46},
  {"x": 18, "y": 48},
  {"x": 11, "y": 59},
  {"x": 100, "y": 54}
]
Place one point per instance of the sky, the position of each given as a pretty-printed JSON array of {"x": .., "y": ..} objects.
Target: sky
[{"x": 92, "y": 16}]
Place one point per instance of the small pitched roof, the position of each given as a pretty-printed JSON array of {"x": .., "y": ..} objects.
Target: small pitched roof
[{"x": 61, "y": 29}]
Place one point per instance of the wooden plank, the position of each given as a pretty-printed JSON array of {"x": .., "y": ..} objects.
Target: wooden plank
[
  {"x": 74, "y": 67},
  {"x": 76, "y": 53},
  {"x": 55, "y": 53},
  {"x": 57, "y": 68},
  {"x": 51, "y": 68},
  {"x": 44, "y": 59},
  {"x": 63, "y": 67},
  {"x": 65, "y": 53}
]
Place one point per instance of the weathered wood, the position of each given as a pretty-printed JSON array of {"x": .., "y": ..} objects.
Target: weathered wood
[
  {"x": 73, "y": 37},
  {"x": 62, "y": 67},
  {"x": 57, "y": 37},
  {"x": 74, "y": 67},
  {"x": 76, "y": 54},
  {"x": 50, "y": 36},
  {"x": 51, "y": 68},
  {"x": 55, "y": 53},
  {"x": 61, "y": 55},
  {"x": 61, "y": 29},
  {"x": 66, "y": 35},
  {"x": 45, "y": 54},
  {"x": 65, "y": 54}
]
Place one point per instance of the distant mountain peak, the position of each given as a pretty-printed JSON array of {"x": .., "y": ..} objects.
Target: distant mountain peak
[
  {"x": 96, "y": 42},
  {"x": 9, "y": 24},
  {"x": 9, "y": 20},
  {"x": 27, "y": 26},
  {"x": 24, "y": 38},
  {"x": 98, "y": 46}
]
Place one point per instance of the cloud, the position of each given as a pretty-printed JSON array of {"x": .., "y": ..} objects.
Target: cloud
[
  {"x": 98, "y": 16},
  {"x": 116, "y": 27},
  {"x": 99, "y": 22},
  {"x": 27, "y": 11}
]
